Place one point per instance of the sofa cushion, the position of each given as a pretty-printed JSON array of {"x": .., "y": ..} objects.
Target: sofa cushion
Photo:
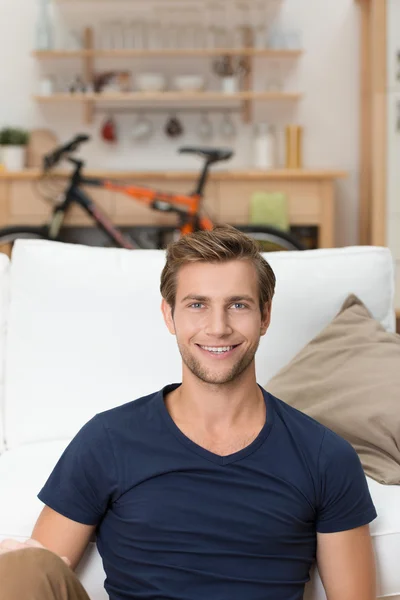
[
  {"x": 86, "y": 332},
  {"x": 4, "y": 307},
  {"x": 24, "y": 470},
  {"x": 348, "y": 379}
]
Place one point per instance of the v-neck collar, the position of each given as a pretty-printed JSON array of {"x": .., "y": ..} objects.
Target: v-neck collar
[{"x": 211, "y": 456}]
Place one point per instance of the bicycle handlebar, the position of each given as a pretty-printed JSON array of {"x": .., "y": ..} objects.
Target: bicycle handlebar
[{"x": 53, "y": 158}]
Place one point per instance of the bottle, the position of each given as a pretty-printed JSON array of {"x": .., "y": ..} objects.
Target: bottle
[
  {"x": 294, "y": 150},
  {"x": 44, "y": 33},
  {"x": 265, "y": 147}
]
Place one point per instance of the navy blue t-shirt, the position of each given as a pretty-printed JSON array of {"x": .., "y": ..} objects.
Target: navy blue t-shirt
[{"x": 178, "y": 522}]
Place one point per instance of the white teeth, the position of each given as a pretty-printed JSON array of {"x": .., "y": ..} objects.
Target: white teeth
[{"x": 217, "y": 350}]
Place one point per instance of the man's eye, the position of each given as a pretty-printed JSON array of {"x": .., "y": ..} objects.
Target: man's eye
[
  {"x": 239, "y": 305},
  {"x": 196, "y": 305}
]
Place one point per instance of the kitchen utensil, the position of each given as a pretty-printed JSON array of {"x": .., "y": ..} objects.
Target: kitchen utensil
[
  {"x": 154, "y": 35},
  {"x": 230, "y": 84},
  {"x": 150, "y": 82},
  {"x": 264, "y": 146},
  {"x": 124, "y": 81},
  {"x": 174, "y": 127},
  {"x": 189, "y": 83},
  {"x": 276, "y": 39},
  {"x": 109, "y": 131},
  {"x": 142, "y": 129},
  {"x": 47, "y": 86},
  {"x": 44, "y": 27},
  {"x": 135, "y": 35},
  {"x": 77, "y": 85},
  {"x": 117, "y": 35},
  {"x": 41, "y": 141},
  {"x": 228, "y": 129},
  {"x": 73, "y": 40},
  {"x": 205, "y": 130}
]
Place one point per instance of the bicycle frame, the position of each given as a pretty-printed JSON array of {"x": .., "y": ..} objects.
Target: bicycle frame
[{"x": 187, "y": 207}]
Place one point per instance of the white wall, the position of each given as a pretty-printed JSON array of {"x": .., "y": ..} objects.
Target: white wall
[{"x": 328, "y": 74}]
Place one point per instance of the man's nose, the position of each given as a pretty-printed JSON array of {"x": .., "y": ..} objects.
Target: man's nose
[{"x": 218, "y": 323}]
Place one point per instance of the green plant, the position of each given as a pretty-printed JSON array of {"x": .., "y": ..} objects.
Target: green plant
[{"x": 11, "y": 136}]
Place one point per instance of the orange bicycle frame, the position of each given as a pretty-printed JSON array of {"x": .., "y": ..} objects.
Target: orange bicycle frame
[{"x": 148, "y": 196}]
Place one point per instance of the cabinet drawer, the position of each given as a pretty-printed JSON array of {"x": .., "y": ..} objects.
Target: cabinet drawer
[
  {"x": 303, "y": 200},
  {"x": 25, "y": 200},
  {"x": 393, "y": 47}
]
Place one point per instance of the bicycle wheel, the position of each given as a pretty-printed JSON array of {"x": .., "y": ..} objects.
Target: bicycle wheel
[
  {"x": 9, "y": 235},
  {"x": 271, "y": 239}
]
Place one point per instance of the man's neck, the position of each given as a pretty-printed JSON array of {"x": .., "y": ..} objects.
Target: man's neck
[{"x": 217, "y": 409}]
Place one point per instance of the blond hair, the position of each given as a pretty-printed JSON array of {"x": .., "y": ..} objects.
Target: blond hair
[{"x": 222, "y": 244}]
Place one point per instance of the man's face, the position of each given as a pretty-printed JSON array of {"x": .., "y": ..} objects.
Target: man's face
[{"x": 217, "y": 319}]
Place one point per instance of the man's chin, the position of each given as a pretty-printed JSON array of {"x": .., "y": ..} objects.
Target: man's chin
[{"x": 220, "y": 377}]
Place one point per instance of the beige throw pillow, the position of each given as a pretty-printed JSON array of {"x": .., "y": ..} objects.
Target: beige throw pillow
[{"x": 348, "y": 379}]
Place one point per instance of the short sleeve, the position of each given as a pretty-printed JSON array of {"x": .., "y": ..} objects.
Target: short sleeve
[
  {"x": 84, "y": 480},
  {"x": 344, "y": 502}
]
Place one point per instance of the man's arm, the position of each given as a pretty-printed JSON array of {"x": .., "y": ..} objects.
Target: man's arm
[
  {"x": 346, "y": 564},
  {"x": 62, "y": 536}
]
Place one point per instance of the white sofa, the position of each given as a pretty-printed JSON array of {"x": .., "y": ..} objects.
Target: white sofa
[{"x": 81, "y": 331}]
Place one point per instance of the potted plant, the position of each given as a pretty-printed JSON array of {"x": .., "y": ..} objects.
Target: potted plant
[{"x": 13, "y": 143}]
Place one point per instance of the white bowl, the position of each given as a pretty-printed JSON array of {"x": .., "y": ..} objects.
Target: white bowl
[
  {"x": 189, "y": 83},
  {"x": 150, "y": 82}
]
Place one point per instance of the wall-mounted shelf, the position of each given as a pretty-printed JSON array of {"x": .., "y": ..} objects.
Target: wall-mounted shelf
[
  {"x": 133, "y": 97},
  {"x": 89, "y": 54},
  {"x": 169, "y": 52},
  {"x": 142, "y": 99}
]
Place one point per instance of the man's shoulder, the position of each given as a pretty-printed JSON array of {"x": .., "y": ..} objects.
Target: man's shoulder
[
  {"x": 304, "y": 428},
  {"x": 133, "y": 409},
  {"x": 323, "y": 448}
]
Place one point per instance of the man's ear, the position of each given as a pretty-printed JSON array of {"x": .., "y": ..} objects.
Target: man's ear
[
  {"x": 266, "y": 318},
  {"x": 166, "y": 310}
]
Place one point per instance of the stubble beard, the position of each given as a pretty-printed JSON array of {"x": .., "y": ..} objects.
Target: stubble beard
[{"x": 214, "y": 377}]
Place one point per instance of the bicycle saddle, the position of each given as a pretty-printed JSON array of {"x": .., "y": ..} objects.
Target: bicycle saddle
[{"x": 211, "y": 154}]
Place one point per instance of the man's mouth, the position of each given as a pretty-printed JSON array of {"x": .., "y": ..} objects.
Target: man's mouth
[{"x": 219, "y": 350}]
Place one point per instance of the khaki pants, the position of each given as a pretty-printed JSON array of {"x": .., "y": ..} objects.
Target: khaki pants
[{"x": 37, "y": 574}]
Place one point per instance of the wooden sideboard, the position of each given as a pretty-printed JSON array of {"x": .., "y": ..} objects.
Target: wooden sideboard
[{"x": 310, "y": 195}]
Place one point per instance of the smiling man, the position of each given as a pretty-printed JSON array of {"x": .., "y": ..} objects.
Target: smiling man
[{"x": 210, "y": 489}]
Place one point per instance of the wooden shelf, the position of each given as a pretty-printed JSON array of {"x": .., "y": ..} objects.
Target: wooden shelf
[
  {"x": 88, "y": 54},
  {"x": 133, "y": 97},
  {"x": 170, "y": 52},
  {"x": 216, "y": 175}
]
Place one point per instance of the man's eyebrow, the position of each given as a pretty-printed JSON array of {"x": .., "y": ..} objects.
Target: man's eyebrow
[
  {"x": 196, "y": 298},
  {"x": 248, "y": 299},
  {"x": 228, "y": 300}
]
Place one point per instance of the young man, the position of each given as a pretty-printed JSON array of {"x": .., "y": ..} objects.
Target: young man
[{"x": 211, "y": 489}]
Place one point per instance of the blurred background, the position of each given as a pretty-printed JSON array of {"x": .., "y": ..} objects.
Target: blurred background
[{"x": 305, "y": 92}]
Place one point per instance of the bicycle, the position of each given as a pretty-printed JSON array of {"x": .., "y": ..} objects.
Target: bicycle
[{"x": 187, "y": 207}]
